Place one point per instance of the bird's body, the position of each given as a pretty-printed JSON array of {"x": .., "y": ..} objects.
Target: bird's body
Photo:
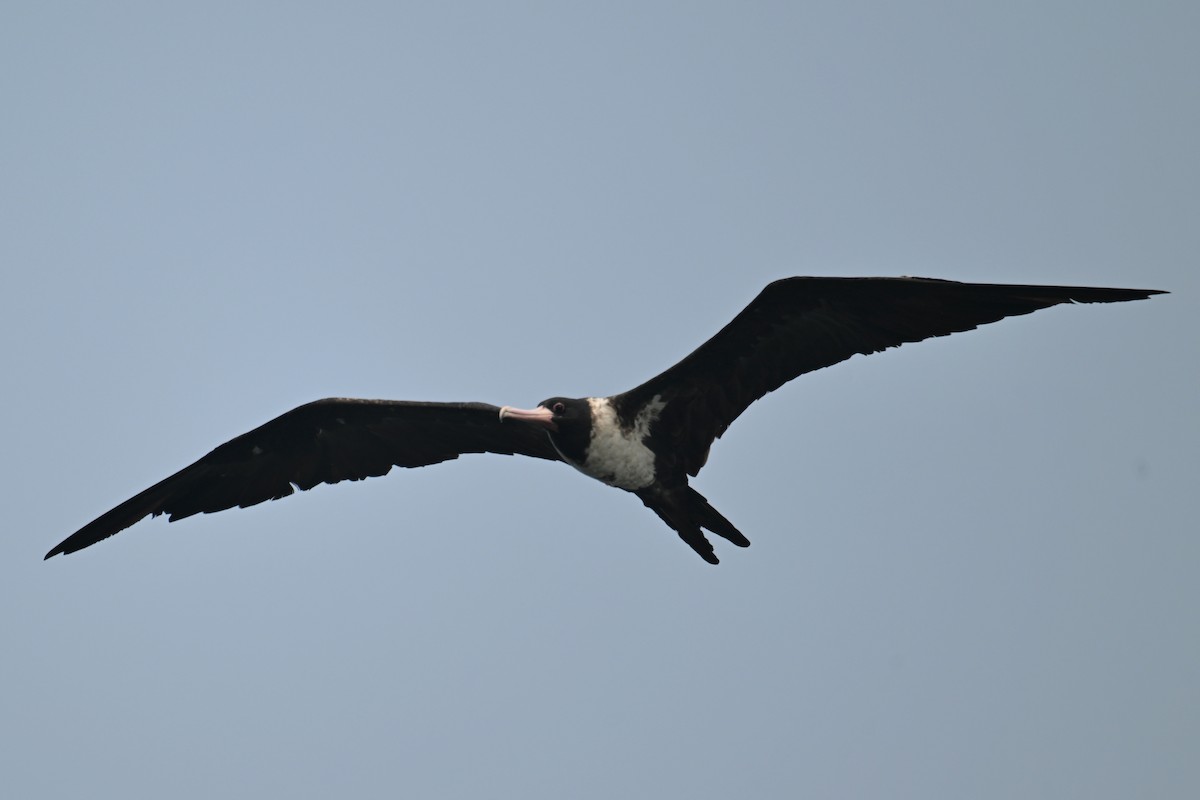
[
  {"x": 616, "y": 453},
  {"x": 648, "y": 440}
]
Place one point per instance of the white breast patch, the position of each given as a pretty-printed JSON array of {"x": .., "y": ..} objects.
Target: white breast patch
[{"x": 619, "y": 456}]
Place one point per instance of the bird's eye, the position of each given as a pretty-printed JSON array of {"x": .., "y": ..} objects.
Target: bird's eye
[{"x": 558, "y": 408}]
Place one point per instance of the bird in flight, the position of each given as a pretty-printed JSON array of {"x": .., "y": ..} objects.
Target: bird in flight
[{"x": 648, "y": 440}]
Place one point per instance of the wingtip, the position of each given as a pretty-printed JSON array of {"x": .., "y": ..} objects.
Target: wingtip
[
  {"x": 59, "y": 549},
  {"x": 1087, "y": 294}
]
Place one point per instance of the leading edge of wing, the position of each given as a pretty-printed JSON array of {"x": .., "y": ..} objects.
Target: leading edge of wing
[{"x": 827, "y": 320}]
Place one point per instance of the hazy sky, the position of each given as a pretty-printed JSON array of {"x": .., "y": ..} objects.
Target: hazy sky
[{"x": 975, "y": 561}]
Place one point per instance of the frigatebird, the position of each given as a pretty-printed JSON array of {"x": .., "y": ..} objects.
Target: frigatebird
[{"x": 647, "y": 441}]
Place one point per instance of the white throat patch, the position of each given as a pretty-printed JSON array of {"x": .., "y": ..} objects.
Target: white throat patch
[{"x": 618, "y": 456}]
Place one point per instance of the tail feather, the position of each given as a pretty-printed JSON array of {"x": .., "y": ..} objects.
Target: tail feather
[
  {"x": 710, "y": 518},
  {"x": 687, "y": 511}
]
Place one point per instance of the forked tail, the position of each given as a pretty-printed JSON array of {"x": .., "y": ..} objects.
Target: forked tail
[{"x": 687, "y": 511}]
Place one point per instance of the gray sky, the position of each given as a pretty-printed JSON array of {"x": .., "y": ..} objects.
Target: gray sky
[{"x": 974, "y": 569}]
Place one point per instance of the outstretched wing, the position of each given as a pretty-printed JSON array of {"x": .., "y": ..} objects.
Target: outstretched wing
[
  {"x": 325, "y": 441},
  {"x": 797, "y": 325}
]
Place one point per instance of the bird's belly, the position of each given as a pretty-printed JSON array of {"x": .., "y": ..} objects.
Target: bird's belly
[{"x": 623, "y": 466}]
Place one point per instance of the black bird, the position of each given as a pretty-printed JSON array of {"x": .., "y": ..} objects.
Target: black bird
[{"x": 647, "y": 440}]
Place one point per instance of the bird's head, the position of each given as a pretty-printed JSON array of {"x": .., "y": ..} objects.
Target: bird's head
[{"x": 568, "y": 420}]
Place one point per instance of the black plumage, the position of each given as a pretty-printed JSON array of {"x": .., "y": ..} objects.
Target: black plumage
[
  {"x": 326, "y": 441},
  {"x": 647, "y": 440}
]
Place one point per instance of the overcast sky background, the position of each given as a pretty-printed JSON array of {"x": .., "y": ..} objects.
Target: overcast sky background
[{"x": 974, "y": 569}]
